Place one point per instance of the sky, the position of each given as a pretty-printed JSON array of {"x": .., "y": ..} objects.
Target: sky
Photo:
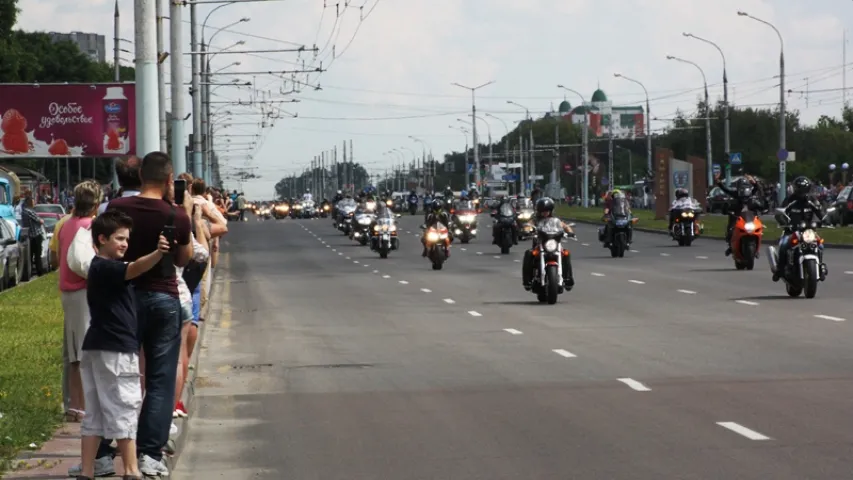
[{"x": 389, "y": 65}]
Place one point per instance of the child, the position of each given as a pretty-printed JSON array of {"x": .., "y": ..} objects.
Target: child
[{"x": 110, "y": 361}]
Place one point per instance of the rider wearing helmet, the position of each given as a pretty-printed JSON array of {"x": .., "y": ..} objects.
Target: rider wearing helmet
[
  {"x": 505, "y": 208},
  {"x": 746, "y": 194},
  {"x": 617, "y": 205},
  {"x": 545, "y": 209},
  {"x": 800, "y": 207},
  {"x": 339, "y": 195},
  {"x": 682, "y": 200},
  {"x": 437, "y": 214}
]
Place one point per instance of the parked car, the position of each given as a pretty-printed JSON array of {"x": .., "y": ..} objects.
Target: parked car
[
  {"x": 718, "y": 201},
  {"x": 11, "y": 262},
  {"x": 49, "y": 208},
  {"x": 843, "y": 214}
]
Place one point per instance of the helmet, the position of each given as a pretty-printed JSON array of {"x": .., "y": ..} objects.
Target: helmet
[
  {"x": 463, "y": 195},
  {"x": 617, "y": 194},
  {"x": 436, "y": 206},
  {"x": 744, "y": 188},
  {"x": 681, "y": 193},
  {"x": 339, "y": 192},
  {"x": 545, "y": 204},
  {"x": 802, "y": 186}
]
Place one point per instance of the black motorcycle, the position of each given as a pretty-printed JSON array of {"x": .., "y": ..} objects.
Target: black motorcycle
[
  {"x": 802, "y": 267},
  {"x": 504, "y": 224},
  {"x": 548, "y": 252},
  {"x": 684, "y": 228},
  {"x": 437, "y": 243},
  {"x": 614, "y": 235},
  {"x": 384, "y": 236},
  {"x": 413, "y": 205}
]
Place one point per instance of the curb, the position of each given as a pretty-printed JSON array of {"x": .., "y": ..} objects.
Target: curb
[
  {"x": 707, "y": 237},
  {"x": 179, "y": 441}
]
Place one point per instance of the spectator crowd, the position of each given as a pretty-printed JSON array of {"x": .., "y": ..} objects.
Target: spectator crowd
[{"x": 135, "y": 274}]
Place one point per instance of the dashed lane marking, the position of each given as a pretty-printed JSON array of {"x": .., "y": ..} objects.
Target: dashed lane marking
[
  {"x": 426, "y": 290},
  {"x": 596, "y": 274},
  {"x": 564, "y": 353},
  {"x": 746, "y": 302},
  {"x": 449, "y": 300},
  {"x": 741, "y": 430},
  {"x": 827, "y": 317},
  {"x": 702, "y": 257},
  {"x": 512, "y": 331},
  {"x": 664, "y": 254},
  {"x": 585, "y": 244},
  {"x": 474, "y": 313},
  {"x": 386, "y": 276},
  {"x": 635, "y": 385},
  {"x": 638, "y": 282},
  {"x": 403, "y": 282},
  {"x": 688, "y": 292}
]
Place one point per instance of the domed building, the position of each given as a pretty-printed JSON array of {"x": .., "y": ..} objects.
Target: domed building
[{"x": 627, "y": 121}]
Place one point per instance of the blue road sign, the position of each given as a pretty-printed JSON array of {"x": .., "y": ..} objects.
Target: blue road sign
[
  {"x": 735, "y": 158},
  {"x": 510, "y": 178},
  {"x": 604, "y": 181},
  {"x": 470, "y": 168},
  {"x": 716, "y": 169},
  {"x": 782, "y": 154}
]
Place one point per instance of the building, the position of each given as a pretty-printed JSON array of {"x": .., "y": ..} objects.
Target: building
[
  {"x": 91, "y": 44},
  {"x": 626, "y": 121}
]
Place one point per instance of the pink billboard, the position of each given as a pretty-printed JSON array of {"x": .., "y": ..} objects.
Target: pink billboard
[{"x": 67, "y": 120}]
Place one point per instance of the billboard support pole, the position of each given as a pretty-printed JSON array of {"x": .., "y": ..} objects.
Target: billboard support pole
[
  {"x": 117, "y": 73},
  {"x": 147, "y": 121},
  {"x": 198, "y": 170},
  {"x": 179, "y": 159}
]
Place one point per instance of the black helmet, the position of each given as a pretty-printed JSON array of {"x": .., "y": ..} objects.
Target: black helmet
[
  {"x": 802, "y": 186},
  {"x": 744, "y": 188},
  {"x": 681, "y": 193},
  {"x": 545, "y": 204},
  {"x": 436, "y": 206}
]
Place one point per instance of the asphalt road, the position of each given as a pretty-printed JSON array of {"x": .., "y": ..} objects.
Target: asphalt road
[{"x": 667, "y": 364}]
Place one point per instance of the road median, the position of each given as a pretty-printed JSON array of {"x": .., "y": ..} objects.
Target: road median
[{"x": 715, "y": 225}]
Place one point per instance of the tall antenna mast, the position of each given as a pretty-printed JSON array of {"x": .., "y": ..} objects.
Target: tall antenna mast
[{"x": 844, "y": 71}]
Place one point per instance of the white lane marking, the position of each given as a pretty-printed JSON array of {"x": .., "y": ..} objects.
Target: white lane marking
[
  {"x": 474, "y": 313},
  {"x": 408, "y": 231},
  {"x": 329, "y": 246},
  {"x": 426, "y": 290},
  {"x": 702, "y": 257},
  {"x": 635, "y": 385},
  {"x": 746, "y": 302},
  {"x": 585, "y": 244},
  {"x": 741, "y": 430},
  {"x": 688, "y": 292},
  {"x": 638, "y": 282},
  {"x": 366, "y": 265},
  {"x": 849, "y": 272},
  {"x": 449, "y": 300},
  {"x": 348, "y": 258},
  {"x": 635, "y": 251},
  {"x": 596, "y": 274},
  {"x": 376, "y": 271},
  {"x": 334, "y": 249},
  {"x": 340, "y": 253},
  {"x": 564, "y": 353},
  {"x": 827, "y": 317},
  {"x": 403, "y": 282},
  {"x": 386, "y": 276},
  {"x": 464, "y": 249},
  {"x": 497, "y": 256},
  {"x": 512, "y": 331},
  {"x": 664, "y": 254},
  {"x": 355, "y": 261},
  {"x": 517, "y": 261},
  {"x": 479, "y": 253}
]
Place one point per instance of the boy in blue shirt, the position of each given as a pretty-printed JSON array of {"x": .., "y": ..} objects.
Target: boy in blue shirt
[{"x": 110, "y": 361}]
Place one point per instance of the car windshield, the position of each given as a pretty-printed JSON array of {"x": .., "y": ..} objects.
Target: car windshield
[
  {"x": 49, "y": 223},
  {"x": 48, "y": 208},
  {"x": 524, "y": 203}
]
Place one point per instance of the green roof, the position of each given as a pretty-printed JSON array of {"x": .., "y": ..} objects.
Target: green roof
[
  {"x": 565, "y": 107},
  {"x": 599, "y": 96}
]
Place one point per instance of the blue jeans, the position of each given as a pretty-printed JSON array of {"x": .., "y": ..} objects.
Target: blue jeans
[{"x": 160, "y": 335}]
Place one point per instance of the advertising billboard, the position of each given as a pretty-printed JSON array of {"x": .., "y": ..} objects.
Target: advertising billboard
[{"x": 67, "y": 120}]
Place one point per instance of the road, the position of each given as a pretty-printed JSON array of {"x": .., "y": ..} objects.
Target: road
[{"x": 334, "y": 364}]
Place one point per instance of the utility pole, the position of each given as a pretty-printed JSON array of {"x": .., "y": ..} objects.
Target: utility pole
[
  {"x": 474, "y": 135},
  {"x": 145, "y": 46},
  {"x": 117, "y": 78},
  {"x": 337, "y": 184},
  {"x": 176, "y": 45},
  {"x": 198, "y": 132},
  {"x": 161, "y": 77},
  {"x": 352, "y": 170},
  {"x": 346, "y": 167}
]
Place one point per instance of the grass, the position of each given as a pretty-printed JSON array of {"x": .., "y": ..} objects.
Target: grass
[
  {"x": 715, "y": 225},
  {"x": 31, "y": 327}
]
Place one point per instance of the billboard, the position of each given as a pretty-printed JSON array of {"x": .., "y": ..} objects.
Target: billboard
[{"x": 67, "y": 120}]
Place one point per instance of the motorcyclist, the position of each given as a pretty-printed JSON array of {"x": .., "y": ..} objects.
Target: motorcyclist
[
  {"x": 436, "y": 215},
  {"x": 413, "y": 197},
  {"x": 307, "y": 196},
  {"x": 505, "y": 209},
  {"x": 617, "y": 205},
  {"x": 748, "y": 194},
  {"x": 544, "y": 210},
  {"x": 682, "y": 201},
  {"x": 448, "y": 197},
  {"x": 339, "y": 195},
  {"x": 535, "y": 195},
  {"x": 800, "y": 207}
]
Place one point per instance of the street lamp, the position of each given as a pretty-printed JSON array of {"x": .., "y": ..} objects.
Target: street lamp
[
  {"x": 427, "y": 171},
  {"x": 531, "y": 169},
  {"x": 782, "y": 126},
  {"x": 648, "y": 119},
  {"x": 585, "y": 189},
  {"x": 707, "y": 117},
  {"x": 465, "y": 133},
  {"x": 474, "y": 123},
  {"x": 727, "y": 138}
]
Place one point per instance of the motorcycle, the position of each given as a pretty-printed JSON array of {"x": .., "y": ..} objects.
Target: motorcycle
[
  {"x": 325, "y": 210},
  {"x": 686, "y": 227},
  {"x": 413, "y": 205},
  {"x": 465, "y": 225},
  {"x": 264, "y": 213},
  {"x": 504, "y": 225},
  {"x": 361, "y": 227},
  {"x": 803, "y": 266},
  {"x": 384, "y": 237},
  {"x": 296, "y": 210},
  {"x": 547, "y": 282},
  {"x": 746, "y": 240},
  {"x": 618, "y": 228},
  {"x": 438, "y": 243},
  {"x": 281, "y": 211},
  {"x": 309, "y": 209},
  {"x": 526, "y": 229}
]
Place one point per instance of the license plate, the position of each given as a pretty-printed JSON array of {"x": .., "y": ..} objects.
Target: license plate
[
  {"x": 386, "y": 237},
  {"x": 621, "y": 222}
]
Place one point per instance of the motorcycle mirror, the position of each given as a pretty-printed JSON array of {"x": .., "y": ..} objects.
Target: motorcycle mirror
[
  {"x": 572, "y": 224},
  {"x": 398, "y": 215}
]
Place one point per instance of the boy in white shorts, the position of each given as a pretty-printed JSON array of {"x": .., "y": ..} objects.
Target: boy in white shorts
[{"x": 110, "y": 360}]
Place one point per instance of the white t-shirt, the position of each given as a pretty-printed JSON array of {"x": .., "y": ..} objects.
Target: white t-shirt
[
  {"x": 682, "y": 203},
  {"x": 307, "y": 197}
]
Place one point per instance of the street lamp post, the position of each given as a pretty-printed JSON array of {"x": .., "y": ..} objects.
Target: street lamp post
[
  {"x": 465, "y": 133},
  {"x": 782, "y": 126},
  {"x": 506, "y": 141},
  {"x": 648, "y": 119},
  {"x": 586, "y": 144},
  {"x": 726, "y": 138},
  {"x": 474, "y": 134},
  {"x": 428, "y": 172},
  {"x": 710, "y": 165},
  {"x": 531, "y": 169}
]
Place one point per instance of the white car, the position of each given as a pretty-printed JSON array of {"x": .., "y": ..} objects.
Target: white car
[{"x": 11, "y": 262}]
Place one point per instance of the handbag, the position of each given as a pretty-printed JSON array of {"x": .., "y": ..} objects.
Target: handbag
[{"x": 81, "y": 252}]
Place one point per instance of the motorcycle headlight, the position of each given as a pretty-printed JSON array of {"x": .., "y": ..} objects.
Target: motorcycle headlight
[
  {"x": 389, "y": 203},
  {"x": 467, "y": 218},
  {"x": 551, "y": 246},
  {"x": 684, "y": 214},
  {"x": 370, "y": 205},
  {"x": 443, "y": 236},
  {"x": 297, "y": 207},
  {"x": 326, "y": 208},
  {"x": 524, "y": 216},
  {"x": 364, "y": 221},
  {"x": 749, "y": 227},
  {"x": 376, "y": 228},
  {"x": 432, "y": 237},
  {"x": 690, "y": 215},
  {"x": 809, "y": 236}
]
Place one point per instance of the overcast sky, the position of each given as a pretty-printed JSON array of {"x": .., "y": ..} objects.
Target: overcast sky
[{"x": 393, "y": 80}]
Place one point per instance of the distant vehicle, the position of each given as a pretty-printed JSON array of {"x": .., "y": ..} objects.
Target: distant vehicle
[{"x": 49, "y": 208}]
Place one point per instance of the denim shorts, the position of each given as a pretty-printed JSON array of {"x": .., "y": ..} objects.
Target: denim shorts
[{"x": 196, "y": 310}]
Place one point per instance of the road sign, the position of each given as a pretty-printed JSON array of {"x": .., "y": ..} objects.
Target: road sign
[
  {"x": 716, "y": 169},
  {"x": 510, "y": 178},
  {"x": 792, "y": 157},
  {"x": 470, "y": 168},
  {"x": 537, "y": 177},
  {"x": 782, "y": 165},
  {"x": 782, "y": 155},
  {"x": 604, "y": 181},
  {"x": 735, "y": 158}
]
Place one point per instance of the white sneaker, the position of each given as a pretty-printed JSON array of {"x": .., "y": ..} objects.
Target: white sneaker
[
  {"x": 104, "y": 467},
  {"x": 173, "y": 430},
  {"x": 152, "y": 468}
]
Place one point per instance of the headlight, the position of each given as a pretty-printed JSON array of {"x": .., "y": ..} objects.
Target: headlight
[
  {"x": 690, "y": 214},
  {"x": 551, "y": 245},
  {"x": 809, "y": 236},
  {"x": 442, "y": 236},
  {"x": 467, "y": 218},
  {"x": 389, "y": 203},
  {"x": 432, "y": 237},
  {"x": 370, "y": 205},
  {"x": 297, "y": 207},
  {"x": 285, "y": 208},
  {"x": 376, "y": 228},
  {"x": 364, "y": 221},
  {"x": 749, "y": 227},
  {"x": 524, "y": 216},
  {"x": 326, "y": 207}
]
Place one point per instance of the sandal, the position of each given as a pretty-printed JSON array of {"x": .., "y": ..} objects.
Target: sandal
[{"x": 73, "y": 415}]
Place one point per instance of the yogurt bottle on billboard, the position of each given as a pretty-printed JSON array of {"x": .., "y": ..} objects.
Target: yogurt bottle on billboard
[{"x": 115, "y": 121}]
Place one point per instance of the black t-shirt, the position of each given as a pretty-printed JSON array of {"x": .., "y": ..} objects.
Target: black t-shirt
[{"x": 113, "y": 326}]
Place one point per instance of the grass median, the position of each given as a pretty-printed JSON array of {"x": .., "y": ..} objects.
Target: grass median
[
  {"x": 31, "y": 326},
  {"x": 715, "y": 225}
]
